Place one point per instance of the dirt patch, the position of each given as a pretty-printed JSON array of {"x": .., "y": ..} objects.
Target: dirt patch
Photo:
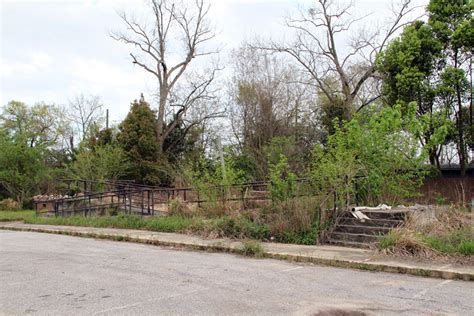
[{"x": 340, "y": 312}]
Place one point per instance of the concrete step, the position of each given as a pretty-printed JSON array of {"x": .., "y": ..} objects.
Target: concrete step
[
  {"x": 345, "y": 243},
  {"x": 387, "y": 215},
  {"x": 359, "y": 229},
  {"x": 363, "y": 238},
  {"x": 391, "y": 223},
  {"x": 393, "y": 215}
]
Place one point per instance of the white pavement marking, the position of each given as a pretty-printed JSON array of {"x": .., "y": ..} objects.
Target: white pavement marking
[
  {"x": 422, "y": 293},
  {"x": 148, "y": 301},
  {"x": 291, "y": 269}
]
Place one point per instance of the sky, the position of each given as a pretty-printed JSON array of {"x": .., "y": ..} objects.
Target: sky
[{"x": 53, "y": 50}]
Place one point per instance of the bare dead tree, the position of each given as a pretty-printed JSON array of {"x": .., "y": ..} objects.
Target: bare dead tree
[
  {"x": 194, "y": 103},
  {"x": 267, "y": 100},
  {"x": 316, "y": 49},
  {"x": 174, "y": 24},
  {"x": 85, "y": 112}
]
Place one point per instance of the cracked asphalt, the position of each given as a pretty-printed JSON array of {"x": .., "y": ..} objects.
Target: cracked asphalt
[{"x": 63, "y": 275}]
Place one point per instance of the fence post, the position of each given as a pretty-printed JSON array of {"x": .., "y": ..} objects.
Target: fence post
[
  {"x": 130, "y": 202},
  {"x": 153, "y": 202},
  {"x": 90, "y": 204},
  {"x": 143, "y": 201},
  {"x": 148, "y": 200}
]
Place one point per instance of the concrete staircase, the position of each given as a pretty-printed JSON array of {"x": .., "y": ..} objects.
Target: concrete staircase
[{"x": 352, "y": 232}]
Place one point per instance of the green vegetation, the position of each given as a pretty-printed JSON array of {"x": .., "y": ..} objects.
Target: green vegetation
[
  {"x": 281, "y": 228},
  {"x": 428, "y": 64},
  {"x": 100, "y": 163},
  {"x": 314, "y": 115},
  {"x": 451, "y": 233},
  {"x": 22, "y": 168},
  {"x": 457, "y": 242},
  {"x": 137, "y": 137},
  {"x": 163, "y": 224},
  {"x": 251, "y": 248},
  {"x": 10, "y": 216},
  {"x": 374, "y": 157},
  {"x": 282, "y": 180}
]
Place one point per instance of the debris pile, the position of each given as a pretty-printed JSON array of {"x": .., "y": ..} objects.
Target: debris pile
[{"x": 49, "y": 197}]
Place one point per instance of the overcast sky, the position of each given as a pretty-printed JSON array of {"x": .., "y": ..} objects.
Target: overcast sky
[{"x": 52, "y": 50}]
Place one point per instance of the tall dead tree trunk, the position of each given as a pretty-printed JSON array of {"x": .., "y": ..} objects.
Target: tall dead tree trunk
[
  {"x": 171, "y": 21},
  {"x": 317, "y": 51}
]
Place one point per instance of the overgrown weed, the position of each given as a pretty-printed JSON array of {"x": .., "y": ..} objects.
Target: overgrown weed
[
  {"x": 251, "y": 248},
  {"x": 450, "y": 233}
]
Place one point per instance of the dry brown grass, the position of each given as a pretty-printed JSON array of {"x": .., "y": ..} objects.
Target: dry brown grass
[{"x": 434, "y": 238}]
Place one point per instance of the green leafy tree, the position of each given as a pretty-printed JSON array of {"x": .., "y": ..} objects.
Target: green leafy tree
[
  {"x": 22, "y": 168},
  {"x": 428, "y": 64},
  {"x": 105, "y": 162},
  {"x": 39, "y": 125},
  {"x": 408, "y": 66},
  {"x": 375, "y": 156},
  {"x": 137, "y": 137},
  {"x": 452, "y": 23},
  {"x": 180, "y": 141}
]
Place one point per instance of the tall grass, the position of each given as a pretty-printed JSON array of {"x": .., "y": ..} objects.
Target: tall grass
[
  {"x": 450, "y": 233},
  {"x": 293, "y": 220},
  {"x": 163, "y": 224},
  {"x": 10, "y": 216}
]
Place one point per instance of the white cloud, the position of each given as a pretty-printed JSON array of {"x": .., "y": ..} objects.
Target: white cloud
[
  {"x": 32, "y": 64},
  {"x": 93, "y": 71}
]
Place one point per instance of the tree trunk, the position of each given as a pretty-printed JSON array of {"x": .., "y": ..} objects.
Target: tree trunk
[
  {"x": 461, "y": 145},
  {"x": 161, "y": 115}
]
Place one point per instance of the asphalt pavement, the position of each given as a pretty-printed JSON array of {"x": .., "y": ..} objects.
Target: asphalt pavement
[{"x": 64, "y": 275}]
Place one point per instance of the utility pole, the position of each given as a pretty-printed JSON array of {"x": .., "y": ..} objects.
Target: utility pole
[{"x": 107, "y": 119}]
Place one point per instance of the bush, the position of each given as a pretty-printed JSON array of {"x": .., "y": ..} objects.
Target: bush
[
  {"x": 390, "y": 240},
  {"x": 466, "y": 248},
  {"x": 9, "y": 205},
  {"x": 282, "y": 180},
  {"x": 296, "y": 220},
  {"x": 375, "y": 156},
  {"x": 178, "y": 207},
  {"x": 251, "y": 248}
]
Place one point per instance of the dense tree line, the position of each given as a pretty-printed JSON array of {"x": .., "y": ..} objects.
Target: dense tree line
[{"x": 377, "y": 113}]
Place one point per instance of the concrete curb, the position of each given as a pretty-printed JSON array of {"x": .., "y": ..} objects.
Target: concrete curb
[{"x": 234, "y": 247}]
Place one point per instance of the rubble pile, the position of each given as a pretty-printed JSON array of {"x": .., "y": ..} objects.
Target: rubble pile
[{"x": 49, "y": 197}]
